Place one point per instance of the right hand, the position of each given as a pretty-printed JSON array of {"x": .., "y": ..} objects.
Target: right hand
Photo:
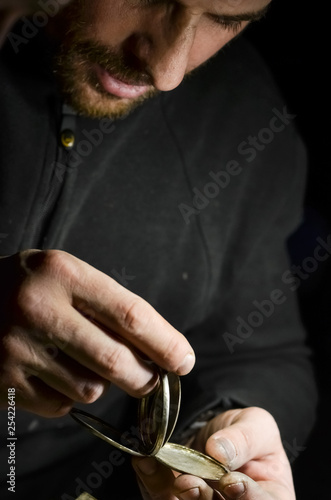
[
  {"x": 68, "y": 330},
  {"x": 248, "y": 442}
]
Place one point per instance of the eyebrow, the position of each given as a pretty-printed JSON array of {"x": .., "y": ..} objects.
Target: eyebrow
[{"x": 245, "y": 16}]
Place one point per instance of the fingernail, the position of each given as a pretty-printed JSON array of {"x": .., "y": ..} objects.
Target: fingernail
[
  {"x": 226, "y": 449},
  {"x": 147, "y": 466},
  {"x": 191, "y": 494},
  {"x": 234, "y": 491},
  {"x": 187, "y": 364}
]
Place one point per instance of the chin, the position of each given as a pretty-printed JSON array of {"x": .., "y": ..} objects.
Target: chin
[
  {"x": 86, "y": 96},
  {"x": 90, "y": 103}
]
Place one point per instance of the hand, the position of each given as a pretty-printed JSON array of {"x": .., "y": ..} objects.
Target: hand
[
  {"x": 68, "y": 330},
  {"x": 248, "y": 442}
]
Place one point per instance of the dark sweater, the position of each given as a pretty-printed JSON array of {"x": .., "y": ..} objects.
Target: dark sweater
[{"x": 188, "y": 202}]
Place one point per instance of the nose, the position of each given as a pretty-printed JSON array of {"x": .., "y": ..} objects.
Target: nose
[{"x": 163, "y": 49}]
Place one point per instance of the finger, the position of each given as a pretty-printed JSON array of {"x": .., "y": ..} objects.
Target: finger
[
  {"x": 237, "y": 485},
  {"x": 96, "y": 357},
  {"x": 69, "y": 378},
  {"x": 246, "y": 434},
  {"x": 187, "y": 487},
  {"x": 107, "y": 303},
  {"x": 33, "y": 395},
  {"x": 102, "y": 353},
  {"x": 39, "y": 351},
  {"x": 156, "y": 479},
  {"x": 130, "y": 316},
  {"x": 232, "y": 486}
]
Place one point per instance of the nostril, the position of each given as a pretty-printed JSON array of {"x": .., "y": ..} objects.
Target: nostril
[
  {"x": 136, "y": 54},
  {"x": 139, "y": 46}
]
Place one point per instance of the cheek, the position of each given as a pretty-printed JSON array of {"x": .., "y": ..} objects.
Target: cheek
[
  {"x": 205, "y": 45},
  {"x": 209, "y": 39},
  {"x": 108, "y": 22}
]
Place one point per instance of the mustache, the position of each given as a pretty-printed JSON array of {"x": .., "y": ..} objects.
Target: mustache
[{"x": 126, "y": 68}]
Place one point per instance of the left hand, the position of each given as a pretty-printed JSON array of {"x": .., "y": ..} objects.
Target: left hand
[{"x": 248, "y": 442}]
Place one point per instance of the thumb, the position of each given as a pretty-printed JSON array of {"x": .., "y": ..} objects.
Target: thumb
[{"x": 243, "y": 435}]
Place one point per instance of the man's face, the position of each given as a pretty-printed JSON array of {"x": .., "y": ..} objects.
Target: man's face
[{"x": 116, "y": 53}]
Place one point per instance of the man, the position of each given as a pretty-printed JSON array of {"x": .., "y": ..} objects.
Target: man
[{"x": 184, "y": 197}]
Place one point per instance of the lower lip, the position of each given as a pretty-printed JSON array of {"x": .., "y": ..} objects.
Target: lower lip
[{"x": 118, "y": 88}]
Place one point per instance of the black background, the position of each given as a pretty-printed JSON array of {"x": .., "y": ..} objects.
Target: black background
[{"x": 293, "y": 38}]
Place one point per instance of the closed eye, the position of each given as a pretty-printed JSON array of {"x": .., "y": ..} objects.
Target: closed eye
[
  {"x": 231, "y": 25},
  {"x": 229, "y": 22}
]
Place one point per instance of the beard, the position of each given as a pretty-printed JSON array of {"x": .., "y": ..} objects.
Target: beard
[{"x": 75, "y": 67}]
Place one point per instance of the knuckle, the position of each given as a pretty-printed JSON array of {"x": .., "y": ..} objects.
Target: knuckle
[
  {"x": 245, "y": 439},
  {"x": 131, "y": 316},
  {"x": 35, "y": 315},
  {"x": 55, "y": 262},
  {"x": 111, "y": 362},
  {"x": 35, "y": 278},
  {"x": 29, "y": 300},
  {"x": 263, "y": 416},
  {"x": 52, "y": 263},
  {"x": 254, "y": 422},
  {"x": 121, "y": 367},
  {"x": 89, "y": 392}
]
